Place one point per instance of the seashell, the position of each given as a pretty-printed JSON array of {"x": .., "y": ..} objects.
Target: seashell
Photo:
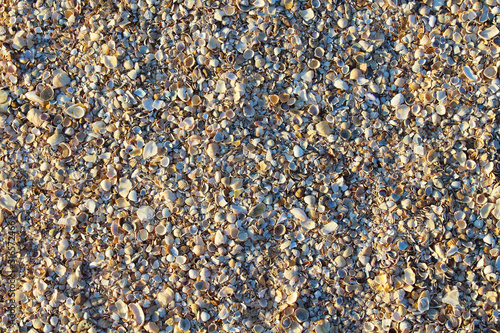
[
  {"x": 185, "y": 324},
  {"x": 229, "y": 10},
  {"x": 345, "y": 134},
  {"x": 402, "y": 112},
  {"x": 166, "y": 296},
  {"x": 136, "y": 310},
  {"x": 274, "y": 99},
  {"x": 288, "y": 4},
  {"x": 165, "y": 162},
  {"x": 489, "y": 33},
  {"x": 105, "y": 185},
  {"x": 301, "y": 314},
  {"x": 409, "y": 277},
  {"x": 181, "y": 260},
  {"x": 225, "y": 292},
  {"x": 279, "y": 230},
  {"x": 441, "y": 110},
  {"x": 32, "y": 96},
  {"x": 428, "y": 97},
  {"x": 150, "y": 150},
  {"x": 342, "y": 23},
  {"x": 481, "y": 199},
  {"x": 319, "y": 52},
  {"x": 452, "y": 298},
  {"x": 490, "y": 72},
  {"x": 398, "y": 100},
  {"x": 313, "y": 110},
  {"x": 469, "y": 73},
  {"x": 114, "y": 228},
  {"x": 248, "y": 111},
  {"x": 189, "y": 61},
  {"x": 219, "y": 238},
  {"x": 368, "y": 327},
  {"x": 307, "y": 14},
  {"x": 461, "y": 224},
  {"x": 55, "y": 139},
  {"x": 313, "y": 64},
  {"x": 84, "y": 325},
  {"x": 330, "y": 227},
  {"x": 110, "y": 62},
  {"x": 355, "y": 74},
  {"x": 341, "y": 85},
  {"x": 486, "y": 210},
  {"x": 160, "y": 229},
  {"x": 212, "y": 150},
  {"x": 124, "y": 187},
  {"x": 6, "y": 202},
  {"x": 286, "y": 322},
  {"x": 145, "y": 213},
  {"x": 423, "y": 304},
  {"x": 299, "y": 214},
  {"x": 60, "y": 80},
  {"x": 470, "y": 164},
  {"x": 4, "y": 96},
  {"x": 47, "y": 94},
  {"x": 323, "y": 128},
  {"x": 431, "y": 156},
  {"x": 199, "y": 250},
  {"x": 196, "y": 100},
  {"x": 76, "y": 111}
]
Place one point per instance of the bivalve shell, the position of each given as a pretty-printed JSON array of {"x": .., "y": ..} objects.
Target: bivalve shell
[{"x": 76, "y": 111}]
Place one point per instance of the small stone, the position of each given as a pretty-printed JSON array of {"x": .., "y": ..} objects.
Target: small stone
[{"x": 212, "y": 149}]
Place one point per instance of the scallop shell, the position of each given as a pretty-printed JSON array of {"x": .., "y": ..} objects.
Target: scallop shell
[{"x": 76, "y": 111}]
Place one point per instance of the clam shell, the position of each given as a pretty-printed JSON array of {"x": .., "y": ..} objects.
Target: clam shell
[
  {"x": 55, "y": 139},
  {"x": 212, "y": 150},
  {"x": 257, "y": 210},
  {"x": 299, "y": 214},
  {"x": 279, "y": 230},
  {"x": 489, "y": 33},
  {"x": 76, "y": 111},
  {"x": 145, "y": 213},
  {"x": 32, "y": 96},
  {"x": 150, "y": 150},
  {"x": 301, "y": 314},
  {"x": 490, "y": 72},
  {"x": 313, "y": 64},
  {"x": 47, "y": 94},
  {"x": 7, "y": 202},
  {"x": 110, "y": 62},
  {"x": 323, "y": 128}
]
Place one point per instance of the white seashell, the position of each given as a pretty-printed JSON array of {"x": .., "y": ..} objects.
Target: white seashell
[
  {"x": 160, "y": 229},
  {"x": 402, "y": 112},
  {"x": 72, "y": 280},
  {"x": 330, "y": 227},
  {"x": 75, "y": 111},
  {"x": 105, "y": 185},
  {"x": 69, "y": 221},
  {"x": 489, "y": 33},
  {"x": 342, "y": 23},
  {"x": 297, "y": 151},
  {"x": 7, "y": 202},
  {"x": 150, "y": 150},
  {"x": 339, "y": 84},
  {"x": 121, "y": 309},
  {"x": 138, "y": 313},
  {"x": 220, "y": 87},
  {"x": 124, "y": 187},
  {"x": 110, "y": 62},
  {"x": 490, "y": 72},
  {"x": 307, "y": 14},
  {"x": 32, "y": 96},
  {"x": 225, "y": 292},
  {"x": 4, "y": 96},
  {"x": 372, "y": 98},
  {"x": 441, "y": 110},
  {"x": 469, "y": 73},
  {"x": 219, "y": 238},
  {"x": 212, "y": 149},
  {"x": 169, "y": 196},
  {"x": 409, "y": 277},
  {"x": 299, "y": 214},
  {"x": 223, "y": 313},
  {"x": 397, "y": 100},
  {"x": 486, "y": 210},
  {"x": 323, "y": 128},
  {"x": 309, "y": 225},
  {"x": 60, "y": 80},
  {"x": 114, "y": 229},
  {"x": 452, "y": 298},
  {"x": 145, "y": 213},
  {"x": 166, "y": 296}
]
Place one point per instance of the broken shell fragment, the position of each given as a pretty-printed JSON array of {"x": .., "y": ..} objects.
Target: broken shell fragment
[{"x": 60, "y": 80}]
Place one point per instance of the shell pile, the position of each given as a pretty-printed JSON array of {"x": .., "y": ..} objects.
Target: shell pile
[{"x": 249, "y": 166}]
